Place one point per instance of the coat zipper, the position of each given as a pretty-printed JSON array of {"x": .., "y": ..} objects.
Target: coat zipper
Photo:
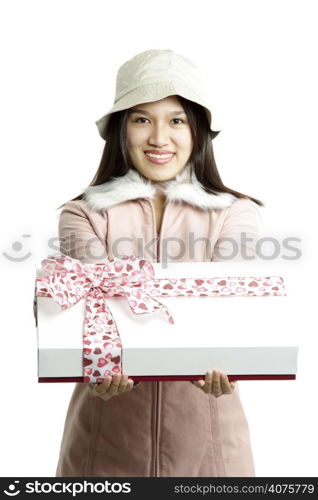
[
  {"x": 160, "y": 233},
  {"x": 157, "y": 384}
]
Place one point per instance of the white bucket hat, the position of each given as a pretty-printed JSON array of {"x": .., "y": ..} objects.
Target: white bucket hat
[{"x": 151, "y": 76}]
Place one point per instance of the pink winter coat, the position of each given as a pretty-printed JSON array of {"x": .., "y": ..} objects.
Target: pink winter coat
[{"x": 158, "y": 428}]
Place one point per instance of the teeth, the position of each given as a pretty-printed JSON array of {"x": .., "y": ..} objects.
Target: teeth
[{"x": 159, "y": 156}]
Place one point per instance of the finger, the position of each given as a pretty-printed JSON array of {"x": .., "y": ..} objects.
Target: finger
[
  {"x": 130, "y": 384},
  {"x": 101, "y": 387},
  {"x": 114, "y": 384},
  {"x": 198, "y": 383},
  {"x": 207, "y": 387},
  {"x": 225, "y": 384},
  {"x": 123, "y": 383},
  {"x": 216, "y": 384}
]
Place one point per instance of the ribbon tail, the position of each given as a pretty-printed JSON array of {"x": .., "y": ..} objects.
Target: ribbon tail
[
  {"x": 102, "y": 348},
  {"x": 164, "y": 309},
  {"x": 146, "y": 304}
]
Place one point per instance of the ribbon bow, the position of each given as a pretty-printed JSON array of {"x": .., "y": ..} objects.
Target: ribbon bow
[{"x": 69, "y": 280}]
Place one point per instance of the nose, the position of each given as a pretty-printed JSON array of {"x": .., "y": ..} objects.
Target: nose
[{"x": 159, "y": 135}]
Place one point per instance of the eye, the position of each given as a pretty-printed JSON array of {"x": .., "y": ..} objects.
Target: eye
[
  {"x": 140, "y": 118},
  {"x": 178, "y": 119}
]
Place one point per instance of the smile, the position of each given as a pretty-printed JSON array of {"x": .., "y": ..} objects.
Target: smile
[{"x": 159, "y": 158}]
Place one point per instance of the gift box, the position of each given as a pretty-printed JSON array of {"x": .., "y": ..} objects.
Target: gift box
[{"x": 171, "y": 321}]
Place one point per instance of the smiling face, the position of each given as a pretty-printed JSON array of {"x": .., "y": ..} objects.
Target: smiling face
[{"x": 159, "y": 138}]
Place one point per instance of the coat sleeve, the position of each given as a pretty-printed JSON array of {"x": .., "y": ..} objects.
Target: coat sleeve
[
  {"x": 239, "y": 232},
  {"x": 82, "y": 234}
]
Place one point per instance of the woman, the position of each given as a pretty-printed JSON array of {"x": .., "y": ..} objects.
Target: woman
[{"x": 157, "y": 183}]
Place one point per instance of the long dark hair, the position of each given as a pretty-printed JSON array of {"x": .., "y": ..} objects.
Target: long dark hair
[{"x": 115, "y": 161}]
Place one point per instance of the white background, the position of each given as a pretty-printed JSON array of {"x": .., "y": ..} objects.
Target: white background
[{"x": 58, "y": 66}]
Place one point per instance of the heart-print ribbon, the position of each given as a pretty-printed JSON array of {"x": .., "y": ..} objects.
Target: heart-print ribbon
[{"x": 68, "y": 280}]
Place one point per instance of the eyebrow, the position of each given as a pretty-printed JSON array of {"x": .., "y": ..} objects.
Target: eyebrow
[{"x": 144, "y": 112}]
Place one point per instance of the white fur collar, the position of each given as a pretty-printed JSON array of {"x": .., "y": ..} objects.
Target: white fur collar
[{"x": 184, "y": 187}]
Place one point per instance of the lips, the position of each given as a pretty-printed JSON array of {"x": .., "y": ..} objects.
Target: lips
[{"x": 159, "y": 157}]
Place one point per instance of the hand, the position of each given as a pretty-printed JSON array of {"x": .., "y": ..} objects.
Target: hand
[
  {"x": 215, "y": 383},
  {"x": 111, "y": 386}
]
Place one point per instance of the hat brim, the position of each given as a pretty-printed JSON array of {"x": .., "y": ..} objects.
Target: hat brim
[{"x": 149, "y": 93}]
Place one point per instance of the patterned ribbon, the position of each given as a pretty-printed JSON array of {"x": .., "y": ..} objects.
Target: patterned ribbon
[{"x": 68, "y": 280}]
